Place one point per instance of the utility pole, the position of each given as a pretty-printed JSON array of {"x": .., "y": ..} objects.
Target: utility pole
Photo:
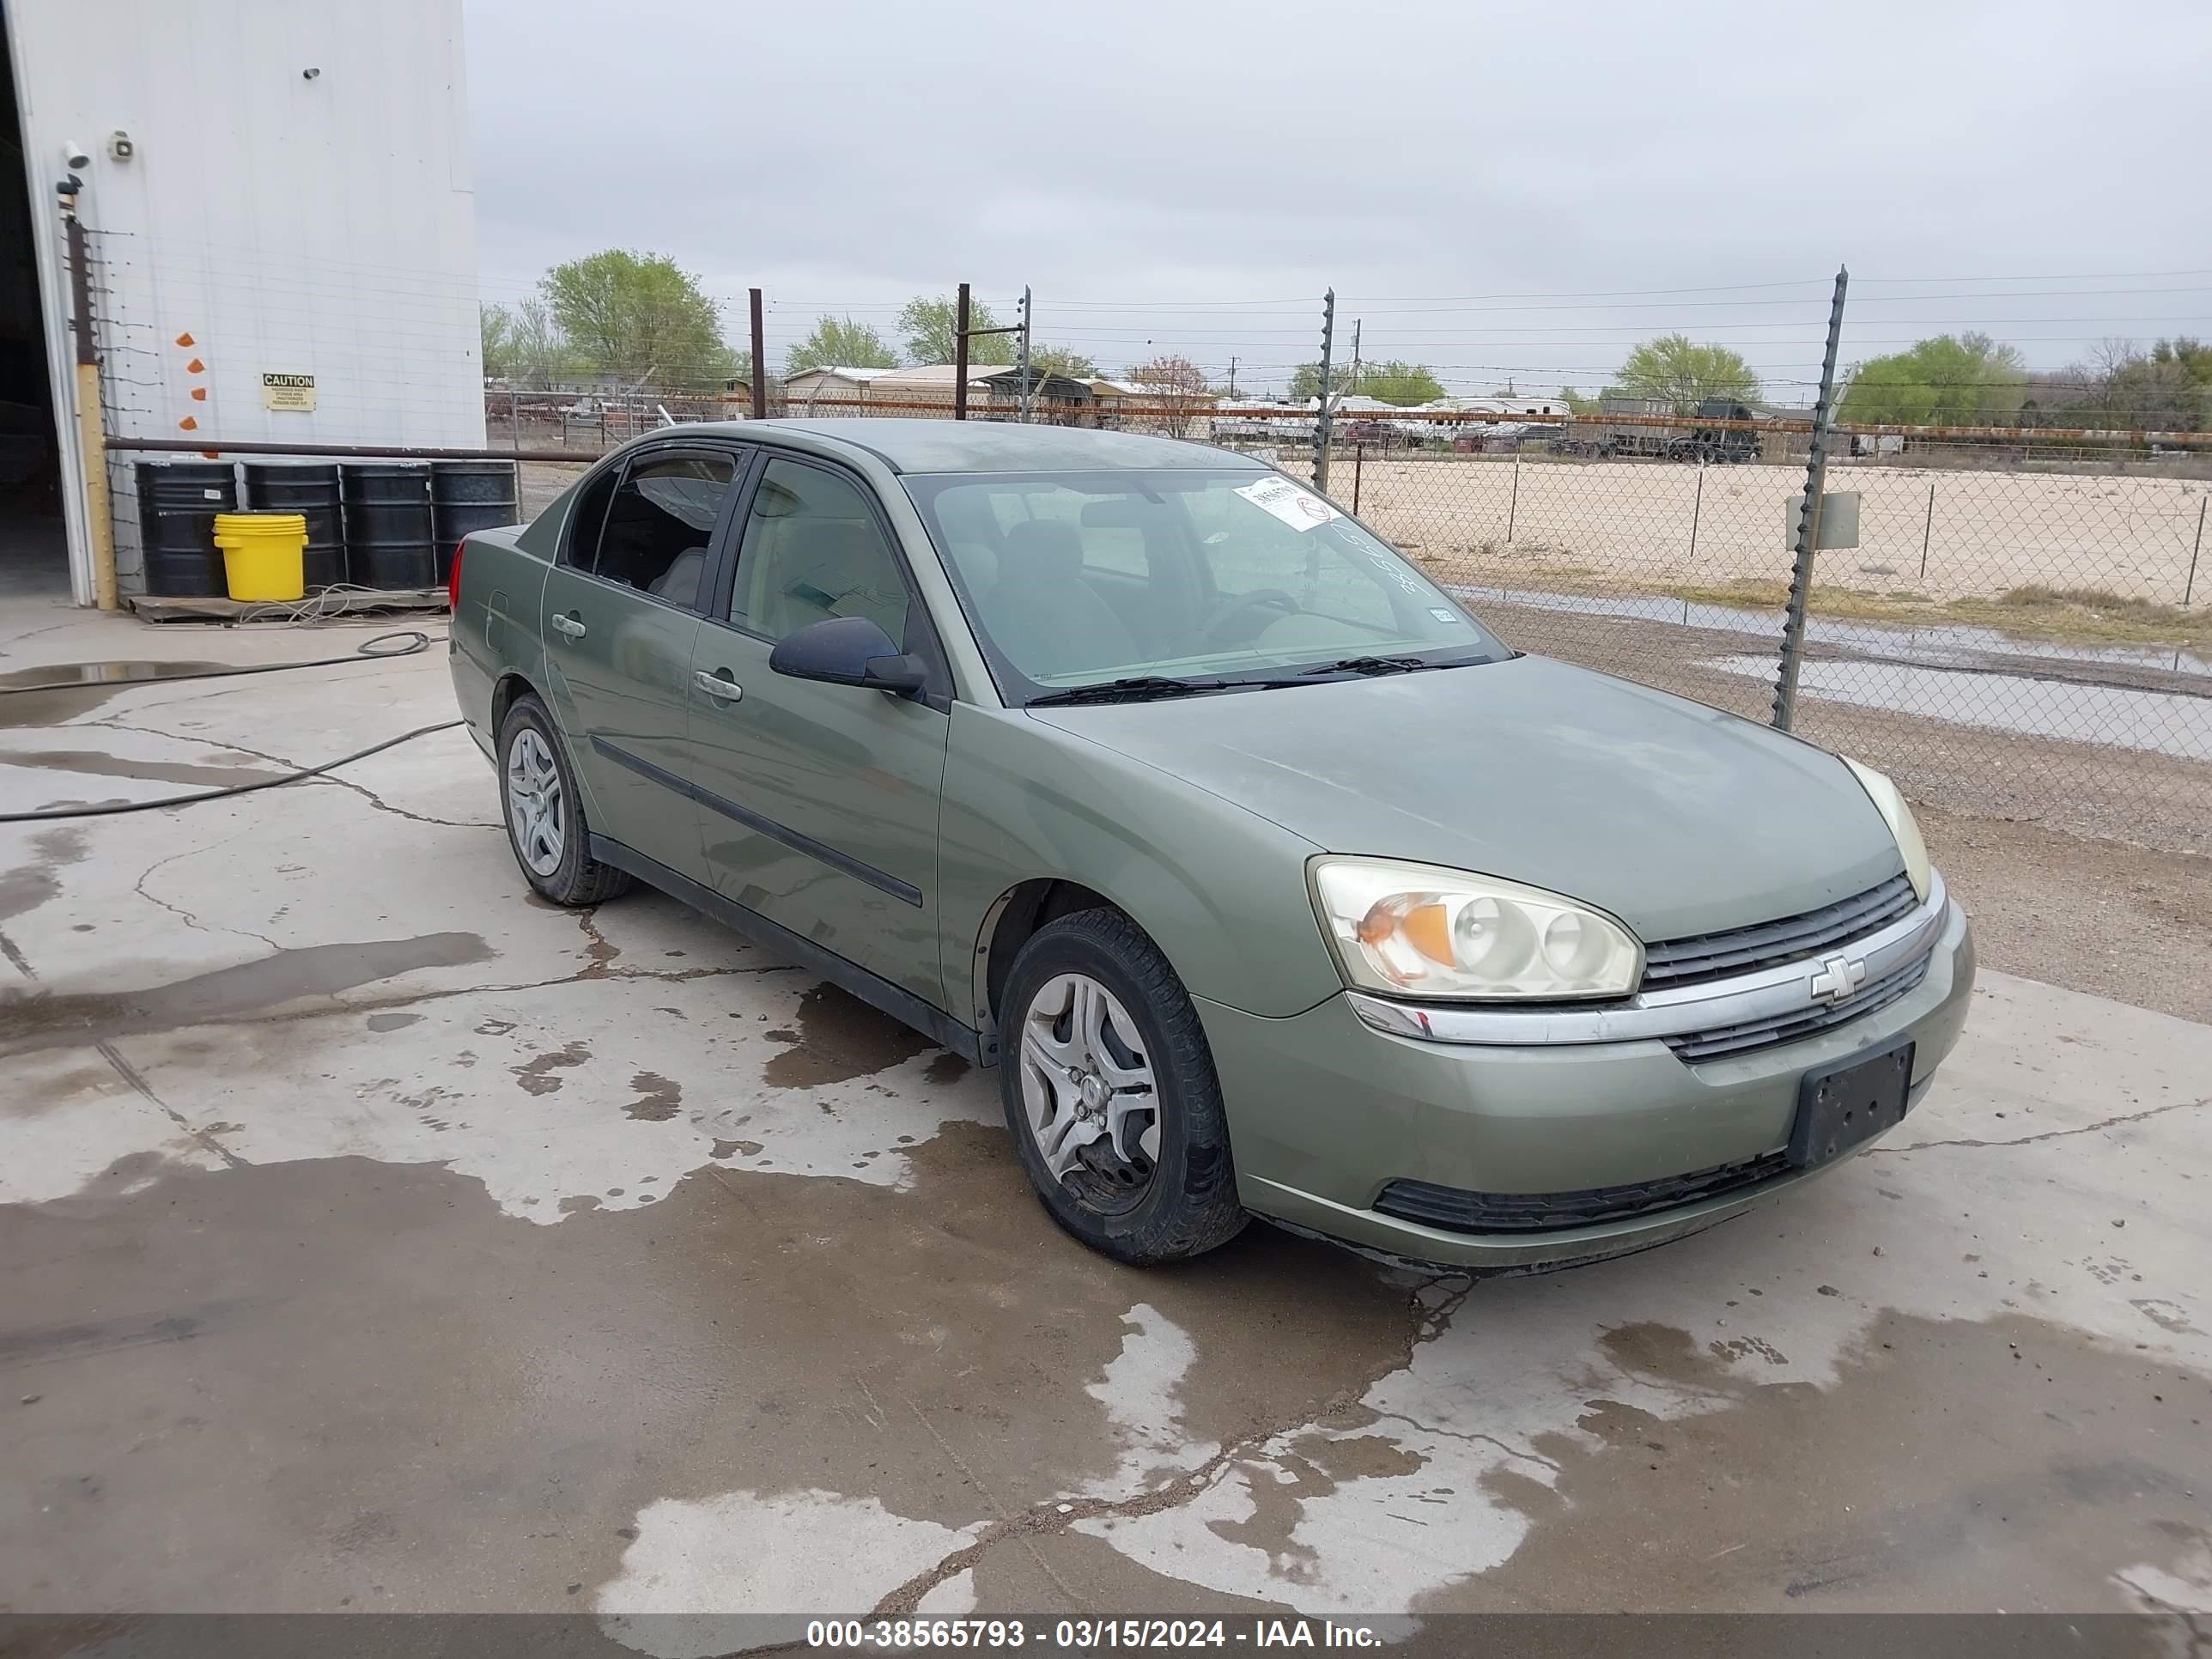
[
  {"x": 1808, "y": 518},
  {"x": 1232, "y": 379},
  {"x": 1320, "y": 416},
  {"x": 1356, "y": 322},
  {"x": 1025, "y": 354}
]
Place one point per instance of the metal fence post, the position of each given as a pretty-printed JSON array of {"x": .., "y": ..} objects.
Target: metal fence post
[
  {"x": 1697, "y": 512},
  {"x": 513, "y": 420},
  {"x": 1358, "y": 465},
  {"x": 1513, "y": 505},
  {"x": 760, "y": 356},
  {"x": 1926, "y": 530},
  {"x": 960, "y": 358},
  {"x": 1320, "y": 418},
  {"x": 1808, "y": 518},
  {"x": 2189, "y": 588}
]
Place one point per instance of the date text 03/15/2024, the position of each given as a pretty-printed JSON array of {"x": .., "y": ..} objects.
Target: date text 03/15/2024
[{"x": 1087, "y": 1635}]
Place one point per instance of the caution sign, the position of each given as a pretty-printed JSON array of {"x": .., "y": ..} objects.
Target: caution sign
[{"x": 288, "y": 392}]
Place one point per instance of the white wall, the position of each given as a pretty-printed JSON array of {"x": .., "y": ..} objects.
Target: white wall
[{"x": 321, "y": 226}]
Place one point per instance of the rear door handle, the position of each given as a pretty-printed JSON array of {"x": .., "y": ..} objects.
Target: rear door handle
[
  {"x": 718, "y": 685},
  {"x": 568, "y": 625}
]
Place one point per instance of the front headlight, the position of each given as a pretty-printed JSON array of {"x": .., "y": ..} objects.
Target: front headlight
[
  {"x": 1892, "y": 806},
  {"x": 1415, "y": 930}
]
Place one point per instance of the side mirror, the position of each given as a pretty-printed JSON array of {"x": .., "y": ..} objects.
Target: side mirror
[{"x": 848, "y": 651}]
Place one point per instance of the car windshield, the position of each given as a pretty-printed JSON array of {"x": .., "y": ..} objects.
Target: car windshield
[{"x": 1076, "y": 579}]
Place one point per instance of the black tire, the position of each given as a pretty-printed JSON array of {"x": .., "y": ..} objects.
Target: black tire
[
  {"x": 577, "y": 880},
  {"x": 1190, "y": 1205}
]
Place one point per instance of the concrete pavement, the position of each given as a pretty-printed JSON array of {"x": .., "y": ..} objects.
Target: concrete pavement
[{"x": 371, "y": 1237}]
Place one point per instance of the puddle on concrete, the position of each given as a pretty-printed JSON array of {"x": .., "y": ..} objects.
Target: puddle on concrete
[
  {"x": 70, "y": 689},
  {"x": 2011, "y": 1453},
  {"x": 30, "y": 1023},
  {"x": 92, "y": 763},
  {"x": 658, "y": 1098},
  {"x": 2157, "y": 721},
  {"x": 537, "y": 1076},
  {"x": 839, "y": 1038},
  {"x": 761, "y": 1332},
  {"x": 27, "y": 886}
]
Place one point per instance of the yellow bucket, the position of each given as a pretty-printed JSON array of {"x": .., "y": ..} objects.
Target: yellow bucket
[{"x": 263, "y": 554}]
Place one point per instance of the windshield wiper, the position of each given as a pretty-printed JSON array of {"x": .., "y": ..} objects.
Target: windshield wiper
[
  {"x": 1136, "y": 689},
  {"x": 1376, "y": 666}
]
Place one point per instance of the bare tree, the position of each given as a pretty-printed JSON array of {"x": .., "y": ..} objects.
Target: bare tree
[{"x": 1176, "y": 391}]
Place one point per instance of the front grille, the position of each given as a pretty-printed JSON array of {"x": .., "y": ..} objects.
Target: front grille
[
  {"x": 1704, "y": 957},
  {"x": 1787, "y": 1028},
  {"x": 1456, "y": 1210}
]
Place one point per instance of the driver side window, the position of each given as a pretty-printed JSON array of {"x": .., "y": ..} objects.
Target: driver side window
[{"x": 813, "y": 549}]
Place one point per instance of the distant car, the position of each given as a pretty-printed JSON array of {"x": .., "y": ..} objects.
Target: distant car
[{"x": 1269, "y": 879}]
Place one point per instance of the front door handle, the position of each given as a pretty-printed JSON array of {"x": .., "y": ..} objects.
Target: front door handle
[
  {"x": 718, "y": 685},
  {"x": 571, "y": 626}
]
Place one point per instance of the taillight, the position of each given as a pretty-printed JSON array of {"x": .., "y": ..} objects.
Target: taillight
[{"x": 453, "y": 581}]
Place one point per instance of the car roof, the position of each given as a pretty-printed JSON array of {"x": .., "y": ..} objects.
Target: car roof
[{"x": 948, "y": 445}]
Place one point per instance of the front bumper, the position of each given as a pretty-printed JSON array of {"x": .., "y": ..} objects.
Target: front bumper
[{"x": 1325, "y": 1111}]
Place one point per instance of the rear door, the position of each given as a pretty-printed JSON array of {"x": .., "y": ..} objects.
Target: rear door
[
  {"x": 817, "y": 804},
  {"x": 622, "y": 616}
]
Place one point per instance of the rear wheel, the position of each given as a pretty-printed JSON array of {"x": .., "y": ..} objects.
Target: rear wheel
[
  {"x": 544, "y": 814},
  {"x": 1110, "y": 1090}
]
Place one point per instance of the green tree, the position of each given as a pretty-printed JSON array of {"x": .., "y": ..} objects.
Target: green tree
[
  {"x": 840, "y": 343},
  {"x": 1578, "y": 404},
  {"x": 1394, "y": 382},
  {"x": 640, "y": 317},
  {"x": 928, "y": 327},
  {"x": 1677, "y": 370},
  {"x": 496, "y": 325},
  {"x": 1062, "y": 360},
  {"x": 1951, "y": 379},
  {"x": 536, "y": 353}
]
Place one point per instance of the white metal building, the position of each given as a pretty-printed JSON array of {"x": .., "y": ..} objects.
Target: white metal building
[{"x": 282, "y": 222}]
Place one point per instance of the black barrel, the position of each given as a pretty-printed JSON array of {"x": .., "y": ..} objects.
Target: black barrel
[
  {"x": 312, "y": 493},
  {"x": 467, "y": 496},
  {"x": 177, "y": 504},
  {"x": 387, "y": 525}
]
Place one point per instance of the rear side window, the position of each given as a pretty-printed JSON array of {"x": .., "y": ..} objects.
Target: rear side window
[
  {"x": 660, "y": 522},
  {"x": 587, "y": 517}
]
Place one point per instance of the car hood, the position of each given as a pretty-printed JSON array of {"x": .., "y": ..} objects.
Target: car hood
[{"x": 1675, "y": 818}]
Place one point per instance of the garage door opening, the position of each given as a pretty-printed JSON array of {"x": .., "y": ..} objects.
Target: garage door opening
[{"x": 33, "y": 545}]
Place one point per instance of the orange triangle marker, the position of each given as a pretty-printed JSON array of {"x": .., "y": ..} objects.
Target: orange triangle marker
[
  {"x": 212, "y": 454},
  {"x": 196, "y": 367},
  {"x": 200, "y": 394},
  {"x": 189, "y": 424},
  {"x": 184, "y": 339}
]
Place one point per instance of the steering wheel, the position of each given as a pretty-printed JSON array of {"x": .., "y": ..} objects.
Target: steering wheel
[{"x": 1258, "y": 598}]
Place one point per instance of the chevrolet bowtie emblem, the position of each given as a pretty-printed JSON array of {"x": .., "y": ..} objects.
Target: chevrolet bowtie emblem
[{"x": 1838, "y": 978}]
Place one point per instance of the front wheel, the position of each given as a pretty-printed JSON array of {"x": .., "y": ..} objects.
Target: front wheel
[
  {"x": 1110, "y": 1090},
  {"x": 546, "y": 824}
]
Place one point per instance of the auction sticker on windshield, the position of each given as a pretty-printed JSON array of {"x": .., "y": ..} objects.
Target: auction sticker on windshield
[{"x": 1300, "y": 509}]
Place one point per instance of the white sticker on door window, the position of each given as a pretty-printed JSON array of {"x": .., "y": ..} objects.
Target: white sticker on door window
[{"x": 1301, "y": 509}]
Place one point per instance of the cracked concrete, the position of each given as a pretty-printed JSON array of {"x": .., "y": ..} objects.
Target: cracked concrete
[{"x": 317, "y": 1297}]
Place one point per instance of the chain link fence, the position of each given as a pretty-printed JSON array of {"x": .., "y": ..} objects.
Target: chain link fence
[{"x": 2015, "y": 641}]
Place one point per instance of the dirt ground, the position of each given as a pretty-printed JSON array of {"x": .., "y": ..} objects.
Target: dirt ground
[{"x": 1980, "y": 533}]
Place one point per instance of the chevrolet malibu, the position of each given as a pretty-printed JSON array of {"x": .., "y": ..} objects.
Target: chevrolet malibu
[{"x": 1269, "y": 880}]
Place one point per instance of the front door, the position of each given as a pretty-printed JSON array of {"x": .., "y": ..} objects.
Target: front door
[
  {"x": 621, "y": 619},
  {"x": 817, "y": 804}
]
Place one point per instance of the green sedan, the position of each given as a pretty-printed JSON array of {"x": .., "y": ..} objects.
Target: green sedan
[{"x": 1269, "y": 880}]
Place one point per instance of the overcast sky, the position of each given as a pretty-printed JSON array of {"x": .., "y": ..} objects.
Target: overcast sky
[{"x": 1190, "y": 176}]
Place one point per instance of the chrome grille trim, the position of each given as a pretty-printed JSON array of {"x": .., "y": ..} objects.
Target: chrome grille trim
[
  {"x": 1703, "y": 956},
  {"x": 1773, "y": 996}
]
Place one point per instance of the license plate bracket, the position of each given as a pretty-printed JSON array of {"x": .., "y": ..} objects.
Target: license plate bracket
[{"x": 1839, "y": 1106}]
